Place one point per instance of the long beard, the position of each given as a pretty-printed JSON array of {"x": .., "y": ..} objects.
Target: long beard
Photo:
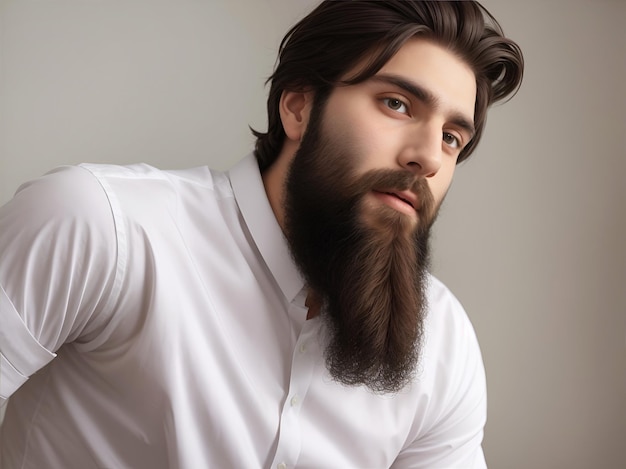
[{"x": 366, "y": 264}]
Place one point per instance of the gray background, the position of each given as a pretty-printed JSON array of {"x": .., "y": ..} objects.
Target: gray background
[{"x": 531, "y": 238}]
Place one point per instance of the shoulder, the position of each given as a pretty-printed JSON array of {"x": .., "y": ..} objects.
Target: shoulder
[
  {"x": 446, "y": 316},
  {"x": 143, "y": 175},
  {"x": 452, "y": 362},
  {"x": 144, "y": 191},
  {"x": 452, "y": 387},
  {"x": 58, "y": 253},
  {"x": 451, "y": 352},
  {"x": 67, "y": 196}
]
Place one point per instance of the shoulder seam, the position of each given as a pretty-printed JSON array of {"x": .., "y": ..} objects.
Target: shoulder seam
[{"x": 120, "y": 241}]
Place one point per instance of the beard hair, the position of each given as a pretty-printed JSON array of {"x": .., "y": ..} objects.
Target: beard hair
[{"x": 367, "y": 265}]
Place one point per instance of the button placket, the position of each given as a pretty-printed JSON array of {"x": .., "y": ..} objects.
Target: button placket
[{"x": 302, "y": 369}]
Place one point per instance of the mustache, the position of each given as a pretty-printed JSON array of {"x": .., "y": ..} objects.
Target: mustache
[{"x": 394, "y": 181}]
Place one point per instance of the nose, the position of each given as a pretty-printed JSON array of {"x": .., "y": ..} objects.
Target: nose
[{"x": 423, "y": 152}]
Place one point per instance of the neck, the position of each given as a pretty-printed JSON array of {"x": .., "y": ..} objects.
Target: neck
[
  {"x": 314, "y": 303},
  {"x": 274, "y": 179}
]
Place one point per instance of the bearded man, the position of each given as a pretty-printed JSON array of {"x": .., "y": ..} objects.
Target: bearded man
[{"x": 281, "y": 314}]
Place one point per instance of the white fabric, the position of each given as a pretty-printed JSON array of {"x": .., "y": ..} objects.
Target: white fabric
[{"x": 178, "y": 322}]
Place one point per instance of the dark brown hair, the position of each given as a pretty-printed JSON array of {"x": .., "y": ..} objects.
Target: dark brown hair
[{"x": 339, "y": 34}]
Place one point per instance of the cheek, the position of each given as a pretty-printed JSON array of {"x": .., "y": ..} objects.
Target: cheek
[
  {"x": 353, "y": 130},
  {"x": 352, "y": 143},
  {"x": 368, "y": 148}
]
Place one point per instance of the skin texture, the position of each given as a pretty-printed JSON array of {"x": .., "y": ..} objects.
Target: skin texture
[{"x": 356, "y": 196}]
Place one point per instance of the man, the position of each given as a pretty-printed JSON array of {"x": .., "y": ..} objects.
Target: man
[{"x": 280, "y": 315}]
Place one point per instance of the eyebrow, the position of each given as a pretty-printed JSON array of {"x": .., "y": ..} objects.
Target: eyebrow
[{"x": 425, "y": 96}]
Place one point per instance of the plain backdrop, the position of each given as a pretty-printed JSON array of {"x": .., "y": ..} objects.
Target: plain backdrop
[{"x": 531, "y": 237}]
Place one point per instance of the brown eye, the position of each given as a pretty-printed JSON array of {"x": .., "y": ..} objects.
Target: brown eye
[
  {"x": 451, "y": 140},
  {"x": 395, "y": 105}
]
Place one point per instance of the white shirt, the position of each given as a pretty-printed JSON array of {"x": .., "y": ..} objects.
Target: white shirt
[{"x": 155, "y": 319}]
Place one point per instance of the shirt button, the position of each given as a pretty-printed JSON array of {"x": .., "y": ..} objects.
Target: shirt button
[
  {"x": 302, "y": 348},
  {"x": 294, "y": 401},
  {"x": 282, "y": 465}
]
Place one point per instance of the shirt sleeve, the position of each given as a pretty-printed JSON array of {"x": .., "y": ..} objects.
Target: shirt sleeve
[
  {"x": 58, "y": 255},
  {"x": 459, "y": 401}
]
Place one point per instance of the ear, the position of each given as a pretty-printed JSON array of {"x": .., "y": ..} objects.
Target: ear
[{"x": 295, "y": 109}]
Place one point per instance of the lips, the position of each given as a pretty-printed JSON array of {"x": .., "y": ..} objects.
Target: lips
[
  {"x": 402, "y": 201},
  {"x": 407, "y": 197}
]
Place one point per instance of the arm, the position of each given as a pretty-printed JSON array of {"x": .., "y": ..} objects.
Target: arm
[{"x": 58, "y": 255}]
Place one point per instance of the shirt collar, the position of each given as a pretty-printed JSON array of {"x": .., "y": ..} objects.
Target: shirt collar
[{"x": 251, "y": 198}]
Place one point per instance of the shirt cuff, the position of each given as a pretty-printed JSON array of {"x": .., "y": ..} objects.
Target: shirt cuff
[{"x": 21, "y": 354}]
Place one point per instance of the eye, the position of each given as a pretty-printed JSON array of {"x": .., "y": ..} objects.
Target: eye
[
  {"x": 451, "y": 140},
  {"x": 396, "y": 105}
]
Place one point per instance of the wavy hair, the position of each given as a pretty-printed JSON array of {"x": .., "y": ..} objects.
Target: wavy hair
[{"x": 338, "y": 35}]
